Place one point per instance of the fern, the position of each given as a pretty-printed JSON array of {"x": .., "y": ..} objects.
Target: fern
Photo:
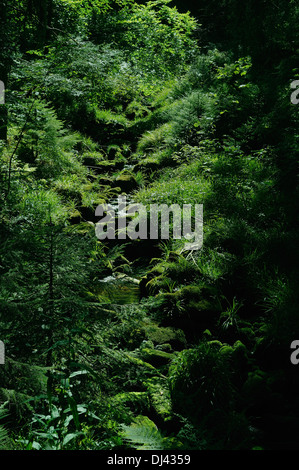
[
  {"x": 4, "y": 438},
  {"x": 143, "y": 434}
]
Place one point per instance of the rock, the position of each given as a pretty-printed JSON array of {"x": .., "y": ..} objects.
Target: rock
[
  {"x": 166, "y": 335},
  {"x": 160, "y": 398},
  {"x": 92, "y": 158},
  {"x": 126, "y": 182},
  {"x": 108, "y": 166},
  {"x": 134, "y": 400},
  {"x": 88, "y": 213},
  {"x": 256, "y": 391},
  {"x": 105, "y": 181},
  {"x": 155, "y": 357},
  {"x": 147, "y": 166}
]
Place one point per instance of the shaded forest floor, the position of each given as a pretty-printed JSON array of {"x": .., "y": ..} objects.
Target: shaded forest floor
[{"x": 121, "y": 344}]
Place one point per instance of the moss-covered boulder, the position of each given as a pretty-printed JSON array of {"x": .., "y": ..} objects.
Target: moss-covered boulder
[
  {"x": 126, "y": 182},
  {"x": 166, "y": 335},
  {"x": 156, "y": 357},
  {"x": 136, "y": 401},
  {"x": 108, "y": 166},
  {"x": 147, "y": 165},
  {"x": 256, "y": 389},
  {"x": 92, "y": 159},
  {"x": 105, "y": 181},
  {"x": 159, "y": 397},
  {"x": 194, "y": 309}
]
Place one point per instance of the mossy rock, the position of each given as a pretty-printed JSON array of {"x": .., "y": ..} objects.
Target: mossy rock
[
  {"x": 147, "y": 166},
  {"x": 108, "y": 166},
  {"x": 226, "y": 350},
  {"x": 146, "y": 282},
  {"x": 240, "y": 351},
  {"x": 238, "y": 357},
  {"x": 126, "y": 182},
  {"x": 139, "y": 362},
  {"x": 70, "y": 194},
  {"x": 92, "y": 158},
  {"x": 161, "y": 335},
  {"x": 113, "y": 151},
  {"x": 105, "y": 181},
  {"x": 156, "y": 357},
  {"x": 218, "y": 345},
  {"x": 75, "y": 217},
  {"x": 165, "y": 347},
  {"x": 160, "y": 398},
  {"x": 134, "y": 400},
  {"x": 256, "y": 390},
  {"x": 88, "y": 214},
  {"x": 196, "y": 291},
  {"x": 247, "y": 335}
]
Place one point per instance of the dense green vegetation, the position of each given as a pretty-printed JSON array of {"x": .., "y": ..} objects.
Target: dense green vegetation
[{"x": 140, "y": 344}]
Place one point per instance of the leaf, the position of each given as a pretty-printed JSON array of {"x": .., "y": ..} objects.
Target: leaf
[
  {"x": 79, "y": 372},
  {"x": 73, "y": 406},
  {"x": 143, "y": 434},
  {"x": 69, "y": 437}
]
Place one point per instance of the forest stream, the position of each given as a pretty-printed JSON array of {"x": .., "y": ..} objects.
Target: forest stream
[{"x": 125, "y": 344}]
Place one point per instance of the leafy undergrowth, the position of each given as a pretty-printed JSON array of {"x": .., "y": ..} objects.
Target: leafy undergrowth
[{"x": 144, "y": 344}]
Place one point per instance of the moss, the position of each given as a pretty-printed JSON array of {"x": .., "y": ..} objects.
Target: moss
[
  {"x": 105, "y": 181},
  {"x": 160, "y": 398},
  {"x": 238, "y": 357},
  {"x": 200, "y": 381},
  {"x": 217, "y": 344},
  {"x": 156, "y": 357},
  {"x": 226, "y": 350},
  {"x": 108, "y": 166},
  {"x": 126, "y": 182},
  {"x": 161, "y": 335},
  {"x": 165, "y": 347},
  {"x": 248, "y": 335},
  {"x": 134, "y": 400},
  {"x": 156, "y": 139},
  {"x": 152, "y": 277},
  {"x": 256, "y": 389},
  {"x": 183, "y": 271},
  {"x": 92, "y": 158},
  {"x": 147, "y": 165},
  {"x": 139, "y": 362}
]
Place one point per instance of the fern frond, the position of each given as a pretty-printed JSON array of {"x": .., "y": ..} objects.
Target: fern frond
[
  {"x": 143, "y": 434},
  {"x": 4, "y": 438}
]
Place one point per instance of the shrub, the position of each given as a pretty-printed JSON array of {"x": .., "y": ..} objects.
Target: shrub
[{"x": 200, "y": 382}]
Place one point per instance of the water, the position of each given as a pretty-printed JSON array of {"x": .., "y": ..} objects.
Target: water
[{"x": 121, "y": 290}]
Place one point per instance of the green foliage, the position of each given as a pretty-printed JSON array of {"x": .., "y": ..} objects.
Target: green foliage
[
  {"x": 5, "y": 441},
  {"x": 118, "y": 96},
  {"x": 157, "y": 38},
  {"x": 200, "y": 382},
  {"x": 143, "y": 434},
  {"x": 61, "y": 426}
]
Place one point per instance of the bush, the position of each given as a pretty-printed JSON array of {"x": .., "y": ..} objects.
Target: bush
[{"x": 200, "y": 382}]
